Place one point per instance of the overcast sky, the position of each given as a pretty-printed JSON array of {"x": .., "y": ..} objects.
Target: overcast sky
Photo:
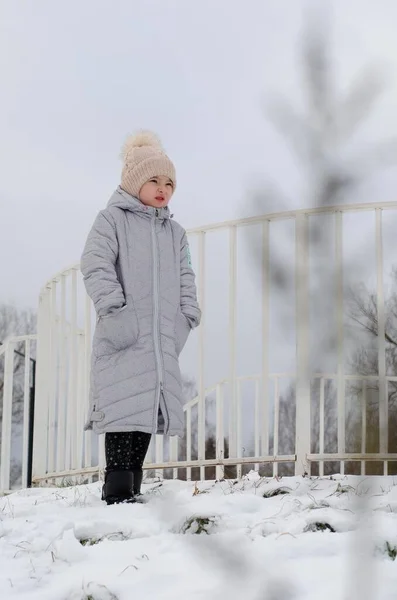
[{"x": 78, "y": 76}]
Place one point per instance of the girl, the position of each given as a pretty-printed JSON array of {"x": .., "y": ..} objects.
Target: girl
[{"x": 137, "y": 270}]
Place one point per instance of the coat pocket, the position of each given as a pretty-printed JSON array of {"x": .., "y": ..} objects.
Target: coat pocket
[
  {"x": 116, "y": 331},
  {"x": 182, "y": 330}
]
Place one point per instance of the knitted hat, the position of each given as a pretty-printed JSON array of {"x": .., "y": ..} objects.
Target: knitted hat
[{"x": 144, "y": 158}]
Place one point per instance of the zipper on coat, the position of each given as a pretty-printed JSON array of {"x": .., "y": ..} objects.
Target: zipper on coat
[{"x": 156, "y": 336}]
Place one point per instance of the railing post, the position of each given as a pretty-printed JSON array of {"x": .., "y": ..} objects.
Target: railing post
[
  {"x": 340, "y": 338},
  {"x": 276, "y": 424},
  {"x": 383, "y": 399},
  {"x": 7, "y": 417},
  {"x": 51, "y": 375},
  {"x": 322, "y": 424},
  {"x": 239, "y": 442},
  {"x": 159, "y": 453},
  {"x": 302, "y": 446},
  {"x": 173, "y": 453},
  {"x": 188, "y": 442},
  {"x": 257, "y": 424},
  {"x": 265, "y": 337},
  {"x": 72, "y": 400},
  {"x": 32, "y": 396},
  {"x": 220, "y": 434},
  {"x": 201, "y": 404},
  {"x": 26, "y": 415},
  {"x": 101, "y": 452},
  {"x": 80, "y": 398},
  {"x": 62, "y": 404},
  {"x": 40, "y": 442},
  {"x": 363, "y": 423},
  {"x": 232, "y": 342}
]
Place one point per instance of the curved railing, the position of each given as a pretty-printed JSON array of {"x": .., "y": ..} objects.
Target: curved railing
[{"x": 65, "y": 326}]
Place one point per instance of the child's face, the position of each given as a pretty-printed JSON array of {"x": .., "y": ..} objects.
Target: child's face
[{"x": 157, "y": 192}]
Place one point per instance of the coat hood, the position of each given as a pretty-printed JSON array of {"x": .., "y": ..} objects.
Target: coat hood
[{"x": 122, "y": 199}]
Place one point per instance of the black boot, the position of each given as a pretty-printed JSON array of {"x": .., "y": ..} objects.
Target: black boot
[
  {"x": 138, "y": 476},
  {"x": 118, "y": 487}
]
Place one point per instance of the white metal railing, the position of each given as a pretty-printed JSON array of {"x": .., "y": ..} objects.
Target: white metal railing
[
  {"x": 341, "y": 455},
  {"x": 8, "y": 351},
  {"x": 65, "y": 324},
  {"x": 155, "y": 460}
]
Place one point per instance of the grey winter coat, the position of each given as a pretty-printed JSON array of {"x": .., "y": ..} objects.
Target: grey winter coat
[{"x": 137, "y": 270}]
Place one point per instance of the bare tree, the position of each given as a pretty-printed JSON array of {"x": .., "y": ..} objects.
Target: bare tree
[
  {"x": 363, "y": 313},
  {"x": 13, "y": 322}
]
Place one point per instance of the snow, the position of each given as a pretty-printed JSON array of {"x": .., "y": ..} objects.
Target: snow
[{"x": 65, "y": 544}]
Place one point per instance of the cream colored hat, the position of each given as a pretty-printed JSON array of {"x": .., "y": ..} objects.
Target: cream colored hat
[{"x": 144, "y": 158}]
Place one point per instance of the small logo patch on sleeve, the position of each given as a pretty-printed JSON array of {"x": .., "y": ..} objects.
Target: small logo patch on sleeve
[{"x": 189, "y": 257}]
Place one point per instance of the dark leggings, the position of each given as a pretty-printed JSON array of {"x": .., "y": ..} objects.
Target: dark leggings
[{"x": 126, "y": 450}]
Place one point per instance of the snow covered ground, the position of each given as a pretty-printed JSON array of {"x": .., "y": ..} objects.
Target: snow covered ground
[{"x": 322, "y": 539}]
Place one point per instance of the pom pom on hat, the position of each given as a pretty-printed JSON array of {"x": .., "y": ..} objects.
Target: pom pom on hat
[
  {"x": 144, "y": 157},
  {"x": 138, "y": 140}
]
